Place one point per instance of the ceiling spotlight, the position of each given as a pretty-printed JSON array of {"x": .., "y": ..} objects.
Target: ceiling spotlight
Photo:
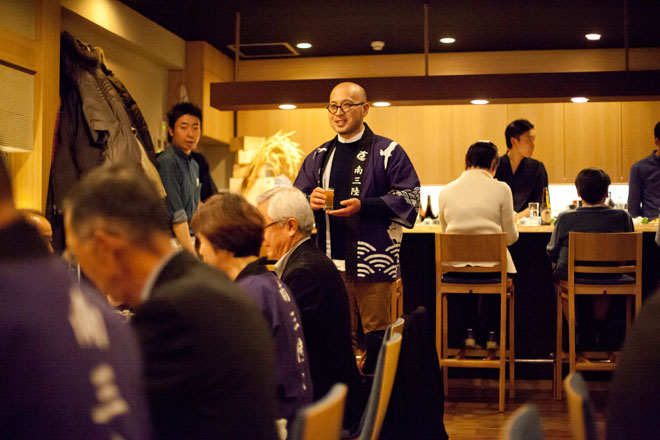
[
  {"x": 287, "y": 106},
  {"x": 303, "y": 45},
  {"x": 579, "y": 99},
  {"x": 447, "y": 40},
  {"x": 377, "y": 45},
  {"x": 479, "y": 101},
  {"x": 381, "y": 104},
  {"x": 592, "y": 37}
]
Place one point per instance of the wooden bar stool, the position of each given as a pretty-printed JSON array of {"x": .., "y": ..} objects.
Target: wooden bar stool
[
  {"x": 624, "y": 251},
  {"x": 452, "y": 249},
  {"x": 396, "y": 308}
]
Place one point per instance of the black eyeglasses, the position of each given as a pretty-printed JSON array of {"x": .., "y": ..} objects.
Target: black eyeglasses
[
  {"x": 269, "y": 225},
  {"x": 345, "y": 107}
]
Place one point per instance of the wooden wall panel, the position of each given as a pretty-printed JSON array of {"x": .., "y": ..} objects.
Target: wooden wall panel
[
  {"x": 424, "y": 132},
  {"x": 218, "y": 124},
  {"x": 311, "y": 125},
  {"x": 449, "y": 63},
  {"x": 593, "y": 138},
  {"x": 548, "y": 120},
  {"x": 637, "y": 122},
  {"x": 470, "y": 123},
  {"x": 570, "y": 137},
  {"x": 30, "y": 171}
]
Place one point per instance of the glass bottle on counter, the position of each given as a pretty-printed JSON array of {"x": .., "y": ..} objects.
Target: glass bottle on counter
[
  {"x": 609, "y": 202},
  {"x": 429, "y": 210},
  {"x": 420, "y": 211},
  {"x": 546, "y": 210}
]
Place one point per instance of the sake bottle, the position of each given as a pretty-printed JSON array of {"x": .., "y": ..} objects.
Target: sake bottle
[
  {"x": 546, "y": 210},
  {"x": 429, "y": 211}
]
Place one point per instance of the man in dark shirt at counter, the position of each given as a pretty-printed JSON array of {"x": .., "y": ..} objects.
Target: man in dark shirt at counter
[
  {"x": 644, "y": 183},
  {"x": 595, "y": 216},
  {"x": 179, "y": 171},
  {"x": 525, "y": 176}
]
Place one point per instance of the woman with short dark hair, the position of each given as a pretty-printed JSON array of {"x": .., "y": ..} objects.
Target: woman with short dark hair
[
  {"x": 230, "y": 231},
  {"x": 476, "y": 203}
]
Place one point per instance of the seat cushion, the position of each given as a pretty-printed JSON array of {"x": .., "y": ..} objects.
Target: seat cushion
[
  {"x": 599, "y": 279},
  {"x": 471, "y": 278}
]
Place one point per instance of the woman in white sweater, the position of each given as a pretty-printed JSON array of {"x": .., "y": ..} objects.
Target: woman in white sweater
[{"x": 476, "y": 203}]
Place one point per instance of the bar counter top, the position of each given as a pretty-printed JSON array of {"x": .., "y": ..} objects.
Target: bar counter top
[{"x": 433, "y": 229}]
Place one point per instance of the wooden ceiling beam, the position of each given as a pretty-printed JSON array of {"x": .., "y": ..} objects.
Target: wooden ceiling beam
[{"x": 460, "y": 89}]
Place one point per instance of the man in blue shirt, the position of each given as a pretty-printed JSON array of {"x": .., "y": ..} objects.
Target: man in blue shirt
[
  {"x": 644, "y": 183},
  {"x": 179, "y": 171}
]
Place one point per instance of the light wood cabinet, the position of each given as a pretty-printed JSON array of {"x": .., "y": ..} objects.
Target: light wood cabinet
[
  {"x": 637, "y": 122},
  {"x": 310, "y": 125},
  {"x": 593, "y": 138},
  {"x": 569, "y": 137},
  {"x": 35, "y": 51},
  {"x": 423, "y": 132}
]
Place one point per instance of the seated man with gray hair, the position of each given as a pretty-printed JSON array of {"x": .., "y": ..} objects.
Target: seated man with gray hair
[
  {"x": 196, "y": 329},
  {"x": 319, "y": 291}
]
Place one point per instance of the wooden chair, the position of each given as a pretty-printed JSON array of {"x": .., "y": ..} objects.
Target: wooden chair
[
  {"x": 580, "y": 410},
  {"x": 322, "y": 420},
  {"x": 456, "y": 248},
  {"x": 584, "y": 248},
  {"x": 381, "y": 389},
  {"x": 396, "y": 307},
  {"x": 523, "y": 424},
  {"x": 395, "y": 327}
]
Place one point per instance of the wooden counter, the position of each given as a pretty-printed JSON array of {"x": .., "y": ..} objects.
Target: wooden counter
[{"x": 434, "y": 229}]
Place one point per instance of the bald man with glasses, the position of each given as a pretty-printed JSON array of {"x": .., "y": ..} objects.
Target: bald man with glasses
[{"x": 376, "y": 193}]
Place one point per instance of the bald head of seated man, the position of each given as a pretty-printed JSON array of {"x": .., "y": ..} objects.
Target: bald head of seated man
[{"x": 36, "y": 219}]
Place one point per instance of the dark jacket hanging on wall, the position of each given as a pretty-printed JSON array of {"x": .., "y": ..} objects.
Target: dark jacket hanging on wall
[
  {"x": 96, "y": 123},
  {"x": 134, "y": 113}
]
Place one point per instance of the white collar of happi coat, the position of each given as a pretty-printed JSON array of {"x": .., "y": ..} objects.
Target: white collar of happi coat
[{"x": 355, "y": 138}]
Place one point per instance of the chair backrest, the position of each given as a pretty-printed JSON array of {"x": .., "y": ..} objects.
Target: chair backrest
[
  {"x": 379, "y": 398},
  {"x": 523, "y": 424},
  {"x": 395, "y": 327},
  {"x": 580, "y": 409},
  {"x": 321, "y": 420},
  {"x": 616, "y": 247},
  {"x": 452, "y": 249}
]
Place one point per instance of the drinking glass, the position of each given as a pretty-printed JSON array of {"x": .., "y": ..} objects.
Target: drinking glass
[
  {"x": 329, "y": 199},
  {"x": 534, "y": 214}
]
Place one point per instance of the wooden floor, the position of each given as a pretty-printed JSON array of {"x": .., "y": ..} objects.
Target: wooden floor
[{"x": 471, "y": 410}]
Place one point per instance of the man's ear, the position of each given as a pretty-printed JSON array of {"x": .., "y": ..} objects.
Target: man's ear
[
  {"x": 170, "y": 131},
  {"x": 365, "y": 109},
  {"x": 291, "y": 226},
  {"x": 493, "y": 166},
  {"x": 108, "y": 245}
]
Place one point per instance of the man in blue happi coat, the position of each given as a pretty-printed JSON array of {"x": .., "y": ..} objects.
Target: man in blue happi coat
[{"x": 376, "y": 192}]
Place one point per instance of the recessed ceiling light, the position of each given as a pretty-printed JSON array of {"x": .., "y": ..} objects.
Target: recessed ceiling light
[
  {"x": 479, "y": 101},
  {"x": 592, "y": 37},
  {"x": 381, "y": 104},
  {"x": 579, "y": 99},
  {"x": 447, "y": 40},
  {"x": 303, "y": 45},
  {"x": 287, "y": 106},
  {"x": 377, "y": 45}
]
